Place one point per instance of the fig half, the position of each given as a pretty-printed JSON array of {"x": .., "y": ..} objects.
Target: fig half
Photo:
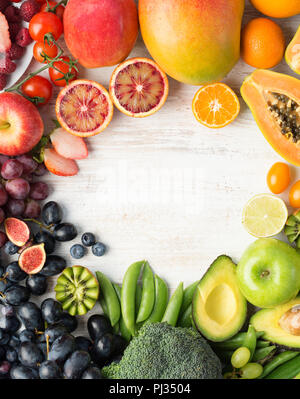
[
  {"x": 77, "y": 289},
  {"x": 32, "y": 259},
  {"x": 17, "y": 231}
]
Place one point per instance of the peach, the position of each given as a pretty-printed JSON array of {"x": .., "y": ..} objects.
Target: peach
[
  {"x": 21, "y": 126},
  {"x": 100, "y": 33}
]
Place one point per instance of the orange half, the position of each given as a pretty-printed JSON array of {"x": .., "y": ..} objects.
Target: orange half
[{"x": 215, "y": 105}]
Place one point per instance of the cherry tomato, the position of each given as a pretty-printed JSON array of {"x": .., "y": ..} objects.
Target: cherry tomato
[
  {"x": 278, "y": 178},
  {"x": 50, "y": 50},
  {"x": 45, "y": 22},
  {"x": 59, "y": 10},
  {"x": 37, "y": 86},
  {"x": 63, "y": 69},
  {"x": 294, "y": 195}
]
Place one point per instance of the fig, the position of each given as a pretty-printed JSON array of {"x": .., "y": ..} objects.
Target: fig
[
  {"x": 32, "y": 259},
  {"x": 77, "y": 289},
  {"x": 17, "y": 231}
]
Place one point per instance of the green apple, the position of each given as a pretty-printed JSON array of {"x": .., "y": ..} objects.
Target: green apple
[{"x": 269, "y": 273}]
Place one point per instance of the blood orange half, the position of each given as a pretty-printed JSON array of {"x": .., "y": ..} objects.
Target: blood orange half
[
  {"x": 84, "y": 108},
  {"x": 138, "y": 87}
]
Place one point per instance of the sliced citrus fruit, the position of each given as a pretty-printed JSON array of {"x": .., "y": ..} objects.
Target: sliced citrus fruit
[
  {"x": 264, "y": 215},
  {"x": 138, "y": 87},
  {"x": 84, "y": 108},
  {"x": 215, "y": 105}
]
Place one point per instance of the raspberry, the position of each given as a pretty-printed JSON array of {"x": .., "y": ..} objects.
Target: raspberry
[
  {"x": 15, "y": 52},
  {"x": 28, "y": 9},
  {"x": 4, "y": 4},
  {"x": 6, "y": 65},
  {"x": 3, "y": 79},
  {"x": 23, "y": 37},
  {"x": 14, "y": 28},
  {"x": 12, "y": 14}
]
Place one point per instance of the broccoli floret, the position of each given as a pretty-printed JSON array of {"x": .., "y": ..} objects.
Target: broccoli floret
[{"x": 163, "y": 351}]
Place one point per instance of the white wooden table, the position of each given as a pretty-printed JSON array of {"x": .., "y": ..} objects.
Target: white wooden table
[{"x": 165, "y": 188}]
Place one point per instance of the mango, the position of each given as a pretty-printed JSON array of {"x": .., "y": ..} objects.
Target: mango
[
  {"x": 193, "y": 41},
  {"x": 100, "y": 33}
]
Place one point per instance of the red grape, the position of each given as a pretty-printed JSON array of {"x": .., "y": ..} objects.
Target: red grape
[
  {"x": 18, "y": 188},
  {"x": 40, "y": 170},
  {"x": 32, "y": 209},
  {"x": 11, "y": 169},
  {"x": 29, "y": 164},
  {"x": 3, "y": 195},
  {"x": 39, "y": 190},
  {"x": 3, "y": 239},
  {"x": 15, "y": 207},
  {"x": 2, "y": 215},
  {"x": 3, "y": 159}
]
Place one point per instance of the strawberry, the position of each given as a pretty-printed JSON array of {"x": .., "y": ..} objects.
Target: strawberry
[
  {"x": 59, "y": 165},
  {"x": 5, "y": 42},
  {"x": 67, "y": 145}
]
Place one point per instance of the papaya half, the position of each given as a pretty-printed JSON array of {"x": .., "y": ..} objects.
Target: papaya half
[
  {"x": 274, "y": 100},
  {"x": 292, "y": 53}
]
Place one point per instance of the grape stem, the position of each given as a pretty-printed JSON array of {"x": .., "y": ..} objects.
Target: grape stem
[{"x": 42, "y": 225}]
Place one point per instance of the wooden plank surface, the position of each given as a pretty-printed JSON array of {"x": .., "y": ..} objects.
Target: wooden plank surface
[{"x": 165, "y": 188}]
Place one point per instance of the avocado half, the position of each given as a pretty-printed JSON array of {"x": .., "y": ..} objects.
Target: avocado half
[
  {"x": 219, "y": 308},
  {"x": 267, "y": 320}
]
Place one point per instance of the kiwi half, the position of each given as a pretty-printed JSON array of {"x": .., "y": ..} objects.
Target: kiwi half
[
  {"x": 292, "y": 228},
  {"x": 77, "y": 289}
]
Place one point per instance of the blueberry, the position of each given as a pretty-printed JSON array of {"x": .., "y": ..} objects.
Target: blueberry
[
  {"x": 98, "y": 249},
  {"x": 88, "y": 239},
  {"x": 10, "y": 248},
  {"x": 77, "y": 251}
]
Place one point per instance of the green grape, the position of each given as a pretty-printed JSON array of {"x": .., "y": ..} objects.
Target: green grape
[
  {"x": 240, "y": 357},
  {"x": 251, "y": 371}
]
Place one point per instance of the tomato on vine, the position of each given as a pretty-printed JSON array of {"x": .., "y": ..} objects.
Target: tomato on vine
[
  {"x": 62, "y": 73},
  {"x": 39, "y": 89},
  {"x": 48, "y": 49},
  {"x": 45, "y": 23},
  {"x": 278, "y": 178},
  {"x": 59, "y": 10}
]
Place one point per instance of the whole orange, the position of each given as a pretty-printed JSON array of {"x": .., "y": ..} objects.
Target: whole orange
[
  {"x": 277, "y": 8},
  {"x": 262, "y": 43}
]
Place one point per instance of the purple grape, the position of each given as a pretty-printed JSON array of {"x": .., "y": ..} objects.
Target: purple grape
[
  {"x": 18, "y": 188},
  {"x": 11, "y": 169},
  {"x": 39, "y": 191},
  {"x": 2, "y": 215},
  {"x": 3, "y": 159},
  {"x": 40, "y": 170},
  {"x": 3, "y": 239},
  {"x": 15, "y": 207},
  {"x": 29, "y": 164},
  {"x": 3, "y": 195},
  {"x": 28, "y": 178},
  {"x": 32, "y": 209},
  {"x": 4, "y": 367}
]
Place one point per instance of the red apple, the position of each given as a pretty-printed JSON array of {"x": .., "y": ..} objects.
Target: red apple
[
  {"x": 5, "y": 42},
  {"x": 100, "y": 33},
  {"x": 21, "y": 126}
]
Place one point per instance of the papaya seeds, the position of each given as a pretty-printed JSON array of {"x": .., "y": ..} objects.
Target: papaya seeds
[
  {"x": 32, "y": 259},
  {"x": 77, "y": 289}
]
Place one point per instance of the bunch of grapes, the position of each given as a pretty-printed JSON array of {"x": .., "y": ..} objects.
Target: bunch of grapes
[
  {"x": 19, "y": 192},
  {"x": 37, "y": 343}
]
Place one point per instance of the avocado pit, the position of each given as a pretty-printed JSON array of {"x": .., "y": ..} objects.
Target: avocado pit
[{"x": 290, "y": 320}]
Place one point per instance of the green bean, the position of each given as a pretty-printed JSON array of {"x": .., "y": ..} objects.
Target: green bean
[
  {"x": 148, "y": 295},
  {"x": 187, "y": 299},
  {"x": 110, "y": 298},
  {"x": 122, "y": 326},
  {"x": 237, "y": 341},
  {"x": 277, "y": 361},
  {"x": 172, "y": 310},
  {"x": 262, "y": 344},
  {"x": 128, "y": 293},
  {"x": 262, "y": 353},
  {"x": 186, "y": 318},
  {"x": 286, "y": 371},
  {"x": 250, "y": 340},
  {"x": 161, "y": 300}
]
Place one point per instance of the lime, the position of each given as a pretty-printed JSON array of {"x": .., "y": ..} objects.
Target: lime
[{"x": 264, "y": 215}]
